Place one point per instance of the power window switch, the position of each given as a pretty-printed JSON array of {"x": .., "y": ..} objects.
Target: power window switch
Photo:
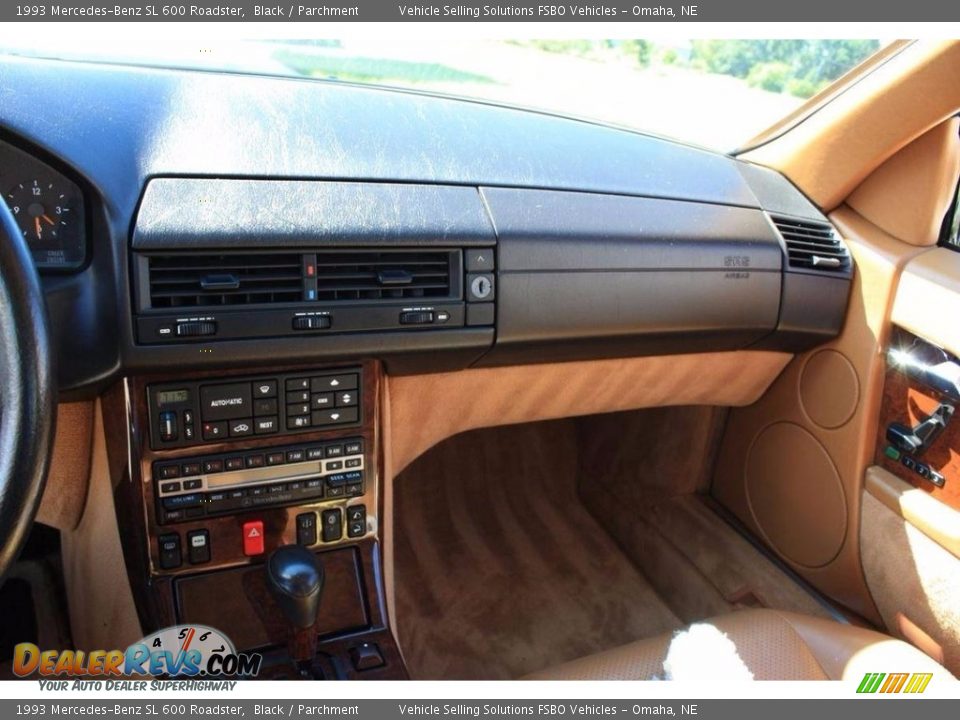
[{"x": 307, "y": 529}]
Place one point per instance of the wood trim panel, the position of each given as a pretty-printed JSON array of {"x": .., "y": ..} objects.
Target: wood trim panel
[
  {"x": 906, "y": 401},
  {"x": 130, "y": 461}
]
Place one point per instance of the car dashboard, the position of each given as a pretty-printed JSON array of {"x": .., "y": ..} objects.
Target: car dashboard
[{"x": 241, "y": 262}]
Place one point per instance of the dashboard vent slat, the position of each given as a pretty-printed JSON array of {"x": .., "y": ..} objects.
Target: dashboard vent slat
[
  {"x": 812, "y": 245},
  {"x": 375, "y": 275},
  {"x": 196, "y": 281}
]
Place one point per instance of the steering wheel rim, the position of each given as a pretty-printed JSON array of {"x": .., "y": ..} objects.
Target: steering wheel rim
[{"x": 28, "y": 392}]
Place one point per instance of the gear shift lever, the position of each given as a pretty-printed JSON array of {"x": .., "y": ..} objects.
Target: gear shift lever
[{"x": 295, "y": 577}]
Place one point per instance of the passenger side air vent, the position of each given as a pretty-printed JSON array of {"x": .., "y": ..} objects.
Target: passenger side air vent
[
  {"x": 374, "y": 275},
  {"x": 201, "y": 280},
  {"x": 812, "y": 245}
]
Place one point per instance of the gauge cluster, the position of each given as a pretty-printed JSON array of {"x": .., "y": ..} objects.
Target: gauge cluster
[{"x": 48, "y": 208}]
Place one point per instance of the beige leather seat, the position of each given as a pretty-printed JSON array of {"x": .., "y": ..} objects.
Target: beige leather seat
[{"x": 764, "y": 644}]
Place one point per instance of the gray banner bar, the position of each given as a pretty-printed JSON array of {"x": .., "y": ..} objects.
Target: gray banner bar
[
  {"x": 493, "y": 11},
  {"x": 190, "y": 709}
]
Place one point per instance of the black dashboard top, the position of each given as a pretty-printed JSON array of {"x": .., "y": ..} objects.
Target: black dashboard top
[{"x": 123, "y": 131}]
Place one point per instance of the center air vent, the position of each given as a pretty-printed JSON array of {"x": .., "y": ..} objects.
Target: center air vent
[
  {"x": 373, "y": 275},
  {"x": 180, "y": 281},
  {"x": 812, "y": 245},
  {"x": 210, "y": 280}
]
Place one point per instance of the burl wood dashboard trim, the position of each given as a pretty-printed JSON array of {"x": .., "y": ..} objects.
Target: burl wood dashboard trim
[
  {"x": 908, "y": 402},
  {"x": 130, "y": 459}
]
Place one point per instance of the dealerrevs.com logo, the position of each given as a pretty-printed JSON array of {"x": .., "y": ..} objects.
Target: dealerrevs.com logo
[{"x": 181, "y": 651}]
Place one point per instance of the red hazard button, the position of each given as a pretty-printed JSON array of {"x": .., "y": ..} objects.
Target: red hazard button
[{"x": 253, "y": 538}]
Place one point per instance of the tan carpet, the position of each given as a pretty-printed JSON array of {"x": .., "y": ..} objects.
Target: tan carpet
[
  {"x": 500, "y": 570},
  {"x": 522, "y": 547}
]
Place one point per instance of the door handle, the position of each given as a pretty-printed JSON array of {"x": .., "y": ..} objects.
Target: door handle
[{"x": 917, "y": 440}]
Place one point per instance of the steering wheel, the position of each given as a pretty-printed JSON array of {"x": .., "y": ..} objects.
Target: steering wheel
[{"x": 28, "y": 392}]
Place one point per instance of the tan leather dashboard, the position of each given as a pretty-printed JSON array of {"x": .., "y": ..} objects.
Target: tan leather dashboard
[{"x": 425, "y": 409}]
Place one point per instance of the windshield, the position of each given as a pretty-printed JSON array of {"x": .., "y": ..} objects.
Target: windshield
[{"x": 715, "y": 93}]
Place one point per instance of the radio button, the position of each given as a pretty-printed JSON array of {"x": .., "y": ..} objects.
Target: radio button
[
  {"x": 294, "y": 456},
  {"x": 181, "y": 502},
  {"x": 332, "y": 521},
  {"x": 239, "y": 428},
  {"x": 264, "y": 426},
  {"x": 167, "y": 472},
  {"x": 353, "y": 448},
  {"x": 190, "y": 468},
  {"x": 212, "y": 466},
  {"x": 315, "y": 453},
  {"x": 334, "y": 451},
  {"x": 264, "y": 389},
  {"x": 276, "y": 458},
  {"x": 254, "y": 461},
  {"x": 234, "y": 463}
]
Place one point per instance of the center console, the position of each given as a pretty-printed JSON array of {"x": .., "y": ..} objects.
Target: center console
[{"x": 225, "y": 468}]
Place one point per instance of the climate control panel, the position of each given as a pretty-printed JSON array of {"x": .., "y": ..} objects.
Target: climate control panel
[{"x": 189, "y": 413}]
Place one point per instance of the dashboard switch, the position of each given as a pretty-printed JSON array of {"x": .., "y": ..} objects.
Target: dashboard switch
[
  {"x": 198, "y": 546},
  {"x": 416, "y": 317},
  {"x": 170, "y": 551},
  {"x": 311, "y": 322},
  {"x": 168, "y": 426},
  {"x": 332, "y": 525},
  {"x": 253, "y": 538},
  {"x": 198, "y": 328}
]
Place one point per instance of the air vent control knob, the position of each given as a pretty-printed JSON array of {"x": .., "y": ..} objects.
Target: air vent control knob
[{"x": 196, "y": 328}]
